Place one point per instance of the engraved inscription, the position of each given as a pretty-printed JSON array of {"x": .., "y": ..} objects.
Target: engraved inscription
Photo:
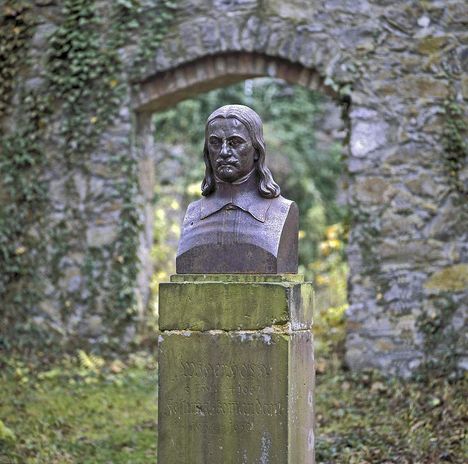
[
  {"x": 213, "y": 429},
  {"x": 234, "y": 408},
  {"x": 224, "y": 395},
  {"x": 240, "y": 370},
  {"x": 243, "y": 382}
]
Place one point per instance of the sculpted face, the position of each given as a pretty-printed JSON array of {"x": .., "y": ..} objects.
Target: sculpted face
[{"x": 230, "y": 149}]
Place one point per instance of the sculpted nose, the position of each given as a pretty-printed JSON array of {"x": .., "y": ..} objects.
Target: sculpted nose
[{"x": 225, "y": 150}]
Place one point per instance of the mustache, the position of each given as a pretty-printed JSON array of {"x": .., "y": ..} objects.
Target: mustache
[{"x": 223, "y": 162}]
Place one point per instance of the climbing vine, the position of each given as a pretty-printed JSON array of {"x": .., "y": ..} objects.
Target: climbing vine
[
  {"x": 155, "y": 26},
  {"x": 16, "y": 25},
  {"x": 83, "y": 73},
  {"x": 454, "y": 139},
  {"x": 21, "y": 221},
  {"x": 125, "y": 264},
  {"x": 85, "y": 83},
  {"x": 440, "y": 338},
  {"x": 22, "y": 192},
  {"x": 153, "y": 22}
]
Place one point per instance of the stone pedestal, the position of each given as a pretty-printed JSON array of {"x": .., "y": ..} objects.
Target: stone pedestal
[{"x": 236, "y": 370}]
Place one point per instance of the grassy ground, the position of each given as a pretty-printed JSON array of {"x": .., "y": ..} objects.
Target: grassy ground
[
  {"x": 367, "y": 419},
  {"x": 91, "y": 412},
  {"x": 86, "y": 414}
]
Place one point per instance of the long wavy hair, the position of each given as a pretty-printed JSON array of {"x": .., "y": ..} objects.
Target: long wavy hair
[{"x": 267, "y": 187}]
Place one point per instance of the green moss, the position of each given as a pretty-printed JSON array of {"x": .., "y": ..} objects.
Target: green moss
[
  {"x": 441, "y": 340},
  {"x": 233, "y": 305},
  {"x": 429, "y": 45},
  {"x": 237, "y": 278},
  {"x": 449, "y": 279}
]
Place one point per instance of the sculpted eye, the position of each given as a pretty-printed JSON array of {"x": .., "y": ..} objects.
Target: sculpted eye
[
  {"x": 235, "y": 142},
  {"x": 214, "y": 141}
]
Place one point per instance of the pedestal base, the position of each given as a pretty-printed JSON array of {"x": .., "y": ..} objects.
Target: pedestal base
[{"x": 237, "y": 396}]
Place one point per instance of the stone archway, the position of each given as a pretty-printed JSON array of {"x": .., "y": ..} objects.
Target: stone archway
[{"x": 187, "y": 80}]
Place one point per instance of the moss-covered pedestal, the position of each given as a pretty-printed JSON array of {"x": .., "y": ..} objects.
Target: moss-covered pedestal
[{"x": 236, "y": 370}]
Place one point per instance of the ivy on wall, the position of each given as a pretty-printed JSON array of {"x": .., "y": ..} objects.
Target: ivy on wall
[
  {"x": 456, "y": 147},
  {"x": 154, "y": 22},
  {"x": 441, "y": 340},
  {"x": 83, "y": 73},
  {"x": 85, "y": 86},
  {"x": 16, "y": 24},
  {"x": 21, "y": 219},
  {"x": 22, "y": 193}
]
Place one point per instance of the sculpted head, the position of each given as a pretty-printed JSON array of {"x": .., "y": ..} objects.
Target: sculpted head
[{"x": 234, "y": 146}]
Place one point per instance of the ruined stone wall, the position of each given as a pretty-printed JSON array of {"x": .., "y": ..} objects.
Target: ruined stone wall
[{"x": 401, "y": 68}]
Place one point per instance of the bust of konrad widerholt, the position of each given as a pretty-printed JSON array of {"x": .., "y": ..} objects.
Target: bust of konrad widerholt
[{"x": 242, "y": 224}]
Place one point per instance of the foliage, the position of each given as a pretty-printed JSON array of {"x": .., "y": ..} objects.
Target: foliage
[
  {"x": 83, "y": 73},
  {"x": 84, "y": 85},
  {"x": 122, "y": 304},
  {"x": 154, "y": 23},
  {"x": 6, "y": 435},
  {"x": 166, "y": 232},
  {"x": 441, "y": 338},
  {"x": 16, "y": 24},
  {"x": 21, "y": 241},
  {"x": 456, "y": 147},
  {"x": 330, "y": 271},
  {"x": 21, "y": 161},
  {"x": 93, "y": 411}
]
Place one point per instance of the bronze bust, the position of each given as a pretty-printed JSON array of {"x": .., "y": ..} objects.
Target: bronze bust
[{"x": 242, "y": 224}]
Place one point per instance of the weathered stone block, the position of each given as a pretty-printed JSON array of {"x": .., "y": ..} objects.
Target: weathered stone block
[
  {"x": 234, "y": 302},
  {"x": 236, "y": 397}
]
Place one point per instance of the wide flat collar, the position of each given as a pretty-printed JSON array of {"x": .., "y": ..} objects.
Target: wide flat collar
[{"x": 243, "y": 195}]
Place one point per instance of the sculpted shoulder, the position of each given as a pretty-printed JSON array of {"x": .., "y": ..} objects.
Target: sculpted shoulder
[
  {"x": 193, "y": 211},
  {"x": 284, "y": 202}
]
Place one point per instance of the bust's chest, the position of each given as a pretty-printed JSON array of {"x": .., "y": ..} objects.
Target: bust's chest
[
  {"x": 233, "y": 226},
  {"x": 230, "y": 225},
  {"x": 231, "y": 240}
]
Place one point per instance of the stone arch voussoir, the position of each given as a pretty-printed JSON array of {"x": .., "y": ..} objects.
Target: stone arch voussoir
[{"x": 189, "y": 79}]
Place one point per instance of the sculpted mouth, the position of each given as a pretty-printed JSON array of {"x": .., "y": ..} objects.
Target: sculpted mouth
[{"x": 224, "y": 164}]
